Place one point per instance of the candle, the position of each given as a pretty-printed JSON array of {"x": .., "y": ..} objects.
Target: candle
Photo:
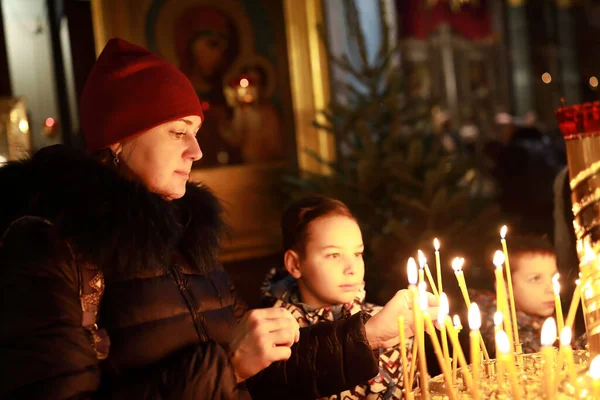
[
  {"x": 443, "y": 313},
  {"x": 423, "y": 265},
  {"x": 462, "y": 361},
  {"x": 595, "y": 375},
  {"x": 457, "y": 265},
  {"x": 474, "y": 325},
  {"x": 574, "y": 305},
  {"x": 501, "y": 356},
  {"x": 505, "y": 360},
  {"x": 436, "y": 246},
  {"x": 548, "y": 338},
  {"x": 501, "y": 301},
  {"x": 458, "y": 328},
  {"x": 557, "y": 304},
  {"x": 511, "y": 296},
  {"x": 403, "y": 358},
  {"x": 418, "y": 321},
  {"x": 437, "y": 350},
  {"x": 566, "y": 353}
]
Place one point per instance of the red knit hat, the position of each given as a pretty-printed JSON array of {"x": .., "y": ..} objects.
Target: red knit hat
[{"x": 129, "y": 91}]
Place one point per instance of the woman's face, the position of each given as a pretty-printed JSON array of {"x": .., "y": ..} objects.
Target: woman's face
[
  {"x": 209, "y": 53},
  {"x": 332, "y": 269},
  {"x": 161, "y": 158}
]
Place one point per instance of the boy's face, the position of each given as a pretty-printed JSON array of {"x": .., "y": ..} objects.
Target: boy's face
[
  {"x": 332, "y": 269},
  {"x": 532, "y": 283}
]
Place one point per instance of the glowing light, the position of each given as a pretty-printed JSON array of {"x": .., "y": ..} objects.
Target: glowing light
[
  {"x": 444, "y": 308},
  {"x": 474, "y": 317},
  {"x": 503, "y": 231},
  {"x": 556, "y": 284},
  {"x": 502, "y": 342},
  {"x": 456, "y": 322},
  {"x": 498, "y": 259},
  {"x": 594, "y": 82},
  {"x": 23, "y": 126},
  {"x": 565, "y": 336},
  {"x": 548, "y": 332},
  {"x": 457, "y": 264},
  {"x": 546, "y": 77},
  {"x": 595, "y": 368},
  {"x": 244, "y": 82},
  {"x": 422, "y": 259},
  {"x": 50, "y": 122},
  {"x": 436, "y": 244},
  {"x": 411, "y": 270},
  {"x": 498, "y": 318}
]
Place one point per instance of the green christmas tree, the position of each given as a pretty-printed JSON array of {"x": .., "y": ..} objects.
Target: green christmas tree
[{"x": 392, "y": 169}]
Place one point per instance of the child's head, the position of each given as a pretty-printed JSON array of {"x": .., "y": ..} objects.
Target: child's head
[
  {"x": 532, "y": 265},
  {"x": 323, "y": 250}
]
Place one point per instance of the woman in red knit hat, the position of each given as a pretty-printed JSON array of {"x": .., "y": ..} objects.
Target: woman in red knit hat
[{"x": 114, "y": 257}]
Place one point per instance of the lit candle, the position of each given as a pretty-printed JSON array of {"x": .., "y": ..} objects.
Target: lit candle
[
  {"x": 511, "y": 296},
  {"x": 423, "y": 266},
  {"x": 457, "y": 265},
  {"x": 418, "y": 321},
  {"x": 557, "y": 304},
  {"x": 437, "y": 350},
  {"x": 504, "y": 358},
  {"x": 403, "y": 358},
  {"x": 501, "y": 301},
  {"x": 574, "y": 305},
  {"x": 566, "y": 353},
  {"x": 548, "y": 338},
  {"x": 442, "y": 314},
  {"x": 462, "y": 361},
  {"x": 595, "y": 375},
  {"x": 474, "y": 325},
  {"x": 436, "y": 246}
]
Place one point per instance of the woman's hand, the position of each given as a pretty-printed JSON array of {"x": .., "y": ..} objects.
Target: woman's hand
[
  {"x": 262, "y": 337},
  {"x": 382, "y": 329}
]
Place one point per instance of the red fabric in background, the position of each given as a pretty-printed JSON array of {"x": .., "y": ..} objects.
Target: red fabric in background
[{"x": 418, "y": 20}]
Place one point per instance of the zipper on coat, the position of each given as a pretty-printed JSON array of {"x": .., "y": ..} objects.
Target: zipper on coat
[{"x": 188, "y": 299}]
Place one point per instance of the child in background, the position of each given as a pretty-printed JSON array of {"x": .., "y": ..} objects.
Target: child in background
[
  {"x": 533, "y": 266},
  {"x": 323, "y": 281}
]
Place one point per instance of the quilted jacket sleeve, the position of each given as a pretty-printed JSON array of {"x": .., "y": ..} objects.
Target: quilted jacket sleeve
[
  {"x": 44, "y": 351},
  {"x": 329, "y": 358}
]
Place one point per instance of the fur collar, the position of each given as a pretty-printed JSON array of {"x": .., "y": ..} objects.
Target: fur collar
[{"x": 112, "y": 221}]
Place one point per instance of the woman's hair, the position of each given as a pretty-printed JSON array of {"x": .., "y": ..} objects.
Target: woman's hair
[
  {"x": 297, "y": 217},
  {"x": 519, "y": 246},
  {"x": 104, "y": 156}
]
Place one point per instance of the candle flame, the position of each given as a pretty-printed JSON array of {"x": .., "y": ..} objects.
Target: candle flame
[
  {"x": 498, "y": 259},
  {"x": 456, "y": 322},
  {"x": 566, "y": 336},
  {"x": 436, "y": 244},
  {"x": 444, "y": 308},
  {"x": 422, "y": 259},
  {"x": 411, "y": 270},
  {"x": 578, "y": 282},
  {"x": 548, "y": 332},
  {"x": 457, "y": 264},
  {"x": 502, "y": 342},
  {"x": 503, "y": 231},
  {"x": 244, "y": 82},
  {"x": 595, "y": 368},
  {"x": 556, "y": 286},
  {"x": 474, "y": 317},
  {"x": 498, "y": 318}
]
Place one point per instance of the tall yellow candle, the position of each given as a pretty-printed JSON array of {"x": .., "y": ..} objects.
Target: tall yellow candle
[
  {"x": 423, "y": 266},
  {"x": 437, "y": 350},
  {"x": 419, "y": 327},
  {"x": 462, "y": 361},
  {"x": 511, "y": 295},
  {"x": 455, "y": 344},
  {"x": 498, "y": 319},
  {"x": 505, "y": 359},
  {"x": 574, "y": 305},
  {"x": 474, "y": 325},
  {"x": 436, "y": 246},
  {"x": 442, "y": 314},
  {"x": 548, "y": 338},
  {"x": 595, "y": 375},
  {"x": 560, "y": 322},
  {"x": 566, "y": 353},
  {"x": 457, "y": 265},
  {"x": 501, "y": 300}
]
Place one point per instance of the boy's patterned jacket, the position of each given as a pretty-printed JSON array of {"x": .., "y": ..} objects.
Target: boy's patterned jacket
[{"x": 284, "y": 293}]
